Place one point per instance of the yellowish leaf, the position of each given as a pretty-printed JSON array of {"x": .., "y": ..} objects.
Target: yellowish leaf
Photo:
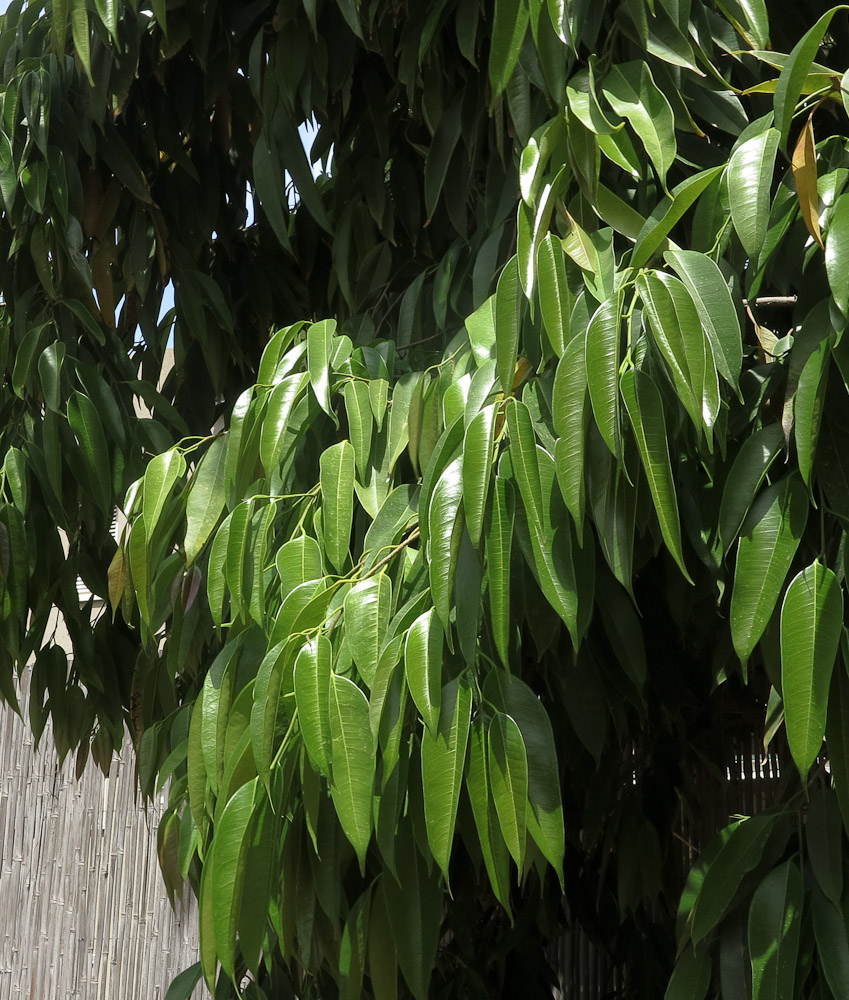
[{"x": 804, "y": 165}]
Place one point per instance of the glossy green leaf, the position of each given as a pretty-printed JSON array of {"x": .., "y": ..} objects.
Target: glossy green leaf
[
  {"x": 446, "y": 521},
  {"x": 632, "y": 93},
  {"x": 368, "y": 605},
  {"x": 571, "y": 410},
  {"x": 775, "y": 920},
  {"x": 206, "y": 498},
  {"x": 508, "y": 306},
  {"x": 159, "y": 479},
  {"x": 690, "y": 978},
  {"x": 795, "y": 71},
  {"x": 423, "y": 666},
  {"x": 499, "y": 541},
  {"x": 837, "y": 253},
  {"x": 443, "y": 764},
  {"x": 278, "y": 410},
  {"x": 183, "y": 985},
  {"x": 808, "y": 408},
  {"x": 709, "y": 292},
  {"x": 352, "y": 952},
  {"x": 319, "y": 352},
  {"x": 750, "y": 173},
  {"x": 508, "y": 773},
  {"x": 747, "y": 473},
  {"x": 602, "y": 356},
  {"x": 228, "y": 864},
  {"x": 769, "y": 539},
  {"x": 88, "y": 430},
  {"x": 509, "y": 26},
  {"x": 645, "y": 411},
  {"x": 811, "y": 622},
  {"x": 477, "y": 469},
  {"x": 360, "y": 423},
  {"x": 352, "y": 761},
  {"x": 337, "y": 493},
  {"x": 495, "y": 855},
  {"x": 312, "y": 697},
  {"x": 555, "y": 297}
]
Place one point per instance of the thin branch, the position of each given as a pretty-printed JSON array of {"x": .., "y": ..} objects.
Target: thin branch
[
  {"x": 424, "y": 340},
  {"x": 378, "y": 566},
  {"x": 771, "y": 300}
]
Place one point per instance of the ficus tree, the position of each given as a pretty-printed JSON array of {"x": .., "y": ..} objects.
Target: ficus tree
[{"x": 497, "y": 493}]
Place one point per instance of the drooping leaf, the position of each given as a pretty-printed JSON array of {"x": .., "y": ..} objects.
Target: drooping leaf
[
  {"x": 811, "y": 622},
  {"x": 775, "y": 921},
  {"x": 477, "y": 469},
  {"x": 206, "y": 498},
  {"x": 423, "y": 666},
  {"x": 804, "y": 165},
  {"x": 750, "y": 173},
  {"x": 337, "y": 492},
  {"x": 312, "y": 697},
  {"x": 367, "y": 610},
  {"x": 753, "y": 461},
  {"x": 602, "y": 358},
  {"x": 443, "y": 764},
  {"x": 508, "y": 774}
]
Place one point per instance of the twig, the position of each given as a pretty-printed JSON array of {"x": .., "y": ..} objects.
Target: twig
[
  {"x": 378, "y": 566},
  {"x": 771, "y": 300},
  {"x": 424, "y": 340}
]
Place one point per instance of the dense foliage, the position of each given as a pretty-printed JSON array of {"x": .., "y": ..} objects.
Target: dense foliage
[{"x": 496, "y": 499}]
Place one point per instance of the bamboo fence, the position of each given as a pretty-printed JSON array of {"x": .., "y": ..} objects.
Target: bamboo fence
[{"x": 84, "y": 910}]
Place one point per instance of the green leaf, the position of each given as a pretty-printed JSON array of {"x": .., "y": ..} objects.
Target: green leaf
[
  {"x": 603, "y": 352},
  {"x": 312, "y": 697},
  {"x": 161, "y": 474},
  {"x": 571, "y": 410},
  {"x": 837, "y": 738},
  {"x": 414, "y": 905},
  {"x": 509, "y": 26},
  {"x": 80, "y": 34},
  {"x": 498, "y": 536},
  {"x": 508, "y": 307},
  {"x": 480, "y": 326},
  {"x": 353, "y": 763},
  {"x": 837, "y": 253},
  {"x": 495, "y": 855},
  {"x": 352, "y": 951},
  {"x": 709, "y": 292},
  {"x": 443, "y": 764},
  {"x": 811, "y": 622},
  {"x": 183, "y": 985},
  {"x": 88, "y": 430},
  {"x": 645, "y": 411},
  {"x": 555, "y": 297},
  {"x": 775, "y": 919},
  {"x": 508, "y": 773},
  {"x": 753, "y": 461},
  {"x": 337, "y": 492},
  {"x": 632, "y": 93},
  {"x": 795, "y": 71},
  {"x": 319, "y": 351},
  {"x": 740, "y": 853},
  {"x": 668, "y": 213},
  {"x": 681, "y": 340},
  {"x": 278, "y": 411},
  {"x": 360, "y": 423},
  {"x": 206, "y": 498},
  {"x": 445, "y": 139},
  {"x": 831, "y": 941},
  {"x": 423, "y": 666},
  {"x": 750, "y": 173},
  {"x": 477, "y": 469},
  {"x": 446, "y": 520},
  {"x": 690, "y": 978},
  {"x": 808, "y": 406},
  {"x": 523, "y": 452},
  {"x": 368, "y": 605},
  {"x": 50, "y": 374},
  {"x": 227, "y": 857},
  {"x": 545, "y": 815},
  {"x": 824, "y": 836},
  {"x": 769, "y": 539}
]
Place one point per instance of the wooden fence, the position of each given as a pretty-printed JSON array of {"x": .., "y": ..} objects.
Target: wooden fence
[{"x": 83, "y": 909}]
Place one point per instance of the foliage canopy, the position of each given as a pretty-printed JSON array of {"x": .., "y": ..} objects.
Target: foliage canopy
[{"x": 498, "y": 493}]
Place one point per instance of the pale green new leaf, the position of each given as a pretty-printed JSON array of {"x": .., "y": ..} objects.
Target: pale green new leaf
[
  {"x": 352, "y": 762},
  {"x": 443, "y": 764},
  {"x": 319, "y": 351},
  {"x": 811, "y": 622}
]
